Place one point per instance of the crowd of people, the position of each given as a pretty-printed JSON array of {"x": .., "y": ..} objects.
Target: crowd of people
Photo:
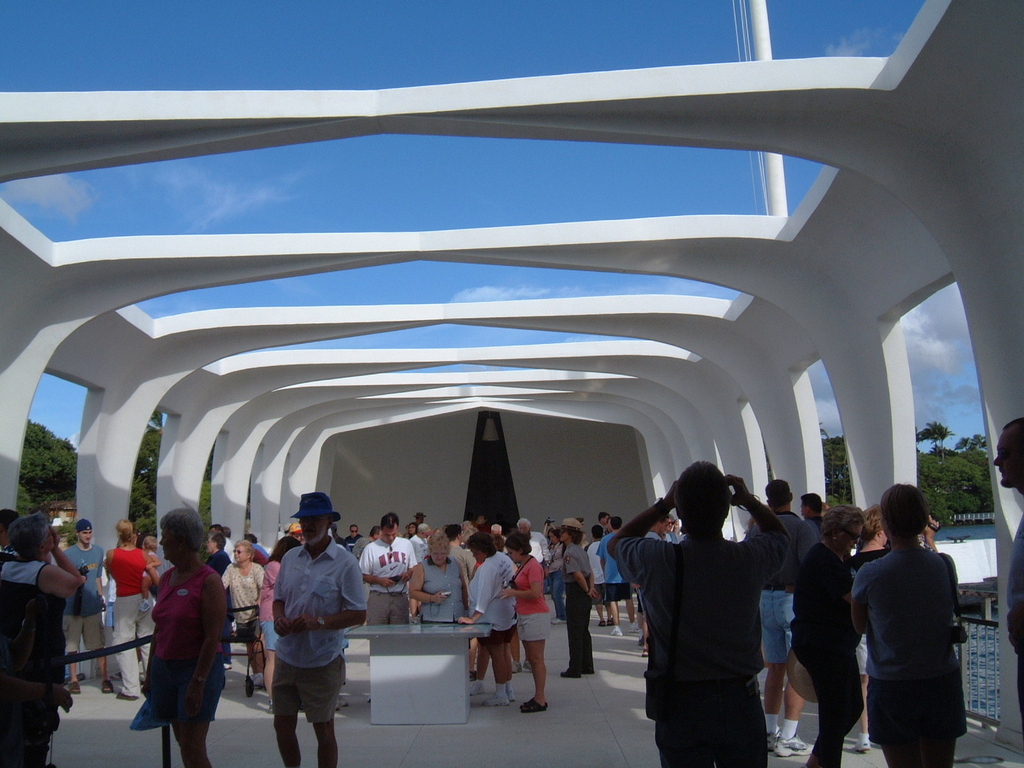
[{"x": 854, "y": 609}]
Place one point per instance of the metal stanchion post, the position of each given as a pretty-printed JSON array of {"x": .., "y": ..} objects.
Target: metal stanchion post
[{"x": 165, "y": 740}]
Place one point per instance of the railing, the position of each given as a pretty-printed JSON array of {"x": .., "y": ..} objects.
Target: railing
[{"x": 979, "y": 666}]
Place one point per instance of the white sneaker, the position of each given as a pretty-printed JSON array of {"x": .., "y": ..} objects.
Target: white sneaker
[
  {"x": 476, "y": 688},
  {"x": 257, "y": 680},
  {"x": 863, "y": 744},
  {"x": 773, "y": 739},
  {"x": 634, "y": 629},
  {"x": 788, "y": 747},
  {"x": 516, "y": 667},
  {"x": 510, "y": 692},
  {"x": 527, "y": 667},
  {"x": 340, "y": 703},
  {"x": 616, "y": 632},
  {"x": 558, "y": 621},
  {"x": 497, "y": 700},
  {"x": 270, "y": 707}
]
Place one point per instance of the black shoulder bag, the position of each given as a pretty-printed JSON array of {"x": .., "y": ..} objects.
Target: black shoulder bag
[
  {"x": 659, "y": 683},
  {"x": 957, "y": 632}
]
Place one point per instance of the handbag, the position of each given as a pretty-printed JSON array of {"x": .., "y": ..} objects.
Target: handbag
[
  {"x": 957, "y": 632},
  {"x": 659, "y": 684},
  {"x": 146, "y": 719}
]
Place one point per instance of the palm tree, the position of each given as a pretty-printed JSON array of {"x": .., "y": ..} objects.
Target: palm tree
[
  {"x": 937, "y": 434},
  {"x": 975, "y": 442}
]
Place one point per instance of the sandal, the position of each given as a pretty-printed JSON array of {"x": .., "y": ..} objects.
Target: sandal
[
  {"x": 107, "y": 687},
  {"x": 644, "y": 655},
  {"x": 532, "y": 706},
  {"x": 602, "y": 623}
]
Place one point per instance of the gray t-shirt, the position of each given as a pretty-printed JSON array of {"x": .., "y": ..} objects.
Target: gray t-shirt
[
  {"x": 720, "y": 622},
  {"x": 910, "y": 612},
  {"x": 575, "y": 560},
  {"x": 802, "y": 536}
]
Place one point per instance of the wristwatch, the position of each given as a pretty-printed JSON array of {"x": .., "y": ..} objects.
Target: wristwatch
[{"x": 320, "y": 621}]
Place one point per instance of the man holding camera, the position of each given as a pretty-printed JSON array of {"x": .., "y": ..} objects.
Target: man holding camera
[
  {"x": 706, "y": 704},
  {"x": 83, "y": 613}
]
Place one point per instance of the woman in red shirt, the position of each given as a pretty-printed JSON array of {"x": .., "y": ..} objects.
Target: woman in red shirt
[
  {"x": 126, "y": 565},
  {"x": 527, "y": 588}
]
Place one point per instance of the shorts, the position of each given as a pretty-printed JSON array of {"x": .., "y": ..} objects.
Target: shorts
[
  {"x": 384, "y": 608},
  {"x": 905, "y": 711},
  {"x": 315, "y": 689},
  {"x": 616, "y": 591},
  {"x": 499, "y": 636},
  {"x": 776, "y": 618},
  {"x": 862, "y": 655},
  {"x": 269, "y": 635},
  {"x": 169, "y": 684},
  {"x": 534, "y": 626},
  {"x": 89, "y": 628}
]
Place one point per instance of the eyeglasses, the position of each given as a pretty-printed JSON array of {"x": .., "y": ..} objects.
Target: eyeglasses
[{"x": 851, "y": 534}]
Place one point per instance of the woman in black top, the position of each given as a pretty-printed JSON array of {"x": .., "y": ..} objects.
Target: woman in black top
[{"x": 824, "y": 639}]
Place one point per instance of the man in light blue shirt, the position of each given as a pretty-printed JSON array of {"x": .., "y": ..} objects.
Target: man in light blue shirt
[{"x": 318, "y": 594}]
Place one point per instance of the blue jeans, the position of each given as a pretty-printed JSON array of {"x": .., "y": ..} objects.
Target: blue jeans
[
  {"x": 558, "y": 594},
  {"x": 713, "y": 724}
]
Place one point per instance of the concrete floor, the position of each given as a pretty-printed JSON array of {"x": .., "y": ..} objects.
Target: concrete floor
[{"x": 597, "y": 721}]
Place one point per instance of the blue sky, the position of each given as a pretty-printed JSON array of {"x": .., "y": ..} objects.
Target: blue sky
[{"x": 412, "y": 183}]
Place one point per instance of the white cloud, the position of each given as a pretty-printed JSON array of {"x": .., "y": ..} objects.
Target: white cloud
[
  {"x": 206, "y": 200},
  {"x": 64, "y": 194},
  {"x": 942, "y": 368},
  {"x": 865, "y": 42},
  {"x": 825, "y": 400},
  {"x": 500, "y": 293}
]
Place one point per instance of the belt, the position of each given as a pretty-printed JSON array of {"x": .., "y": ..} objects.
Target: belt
[{"x": 724, "y": 682}]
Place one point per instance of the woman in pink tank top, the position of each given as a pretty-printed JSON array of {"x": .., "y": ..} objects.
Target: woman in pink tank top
[{"x": 186, "y": 672}]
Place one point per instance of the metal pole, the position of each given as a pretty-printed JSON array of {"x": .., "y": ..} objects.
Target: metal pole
[
  {"x": 165, "y": 740},
  {"x": 775, "y": 173}
]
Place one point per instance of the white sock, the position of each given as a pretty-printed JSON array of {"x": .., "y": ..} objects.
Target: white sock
[
  {"x": 863, "y": 739},
  {"x": 789, "y": 729},
  {"x": 771, "y": 723},
  {"x": 507, "y": 688}
]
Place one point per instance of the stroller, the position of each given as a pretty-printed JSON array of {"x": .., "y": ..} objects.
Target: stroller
[{"x": 247, "y": 632}]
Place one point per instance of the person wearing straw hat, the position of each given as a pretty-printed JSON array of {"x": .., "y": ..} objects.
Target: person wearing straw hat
[{"x": 318, "y": 594}]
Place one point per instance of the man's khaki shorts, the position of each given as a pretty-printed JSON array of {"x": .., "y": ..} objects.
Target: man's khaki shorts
[
  {"x": 316, "y": 689},
  {"x": 88, "y": 627}
]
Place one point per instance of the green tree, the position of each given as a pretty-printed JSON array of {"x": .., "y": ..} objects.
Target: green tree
[
  {"x": 49, "y": 468},
  {"x": 142, "y": 505},
  {"x": 975, "y": 442},
  {"x": 838, "y": 488},
  {"x": 937, "y": 434},
  {"x": 958, "y": 485}
]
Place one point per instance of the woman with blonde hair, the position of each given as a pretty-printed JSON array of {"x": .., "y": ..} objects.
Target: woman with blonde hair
[
  {"x": 243, "y": 580},
  {"x": 126, "y": 565},
  {"x": 439, "y": 584},
  {"x": 905, "y": 603},
  {"x": 873, "y": 545}
]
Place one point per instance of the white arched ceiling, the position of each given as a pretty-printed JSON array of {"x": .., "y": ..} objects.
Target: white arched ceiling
[{"x": 926, "y": 189}]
